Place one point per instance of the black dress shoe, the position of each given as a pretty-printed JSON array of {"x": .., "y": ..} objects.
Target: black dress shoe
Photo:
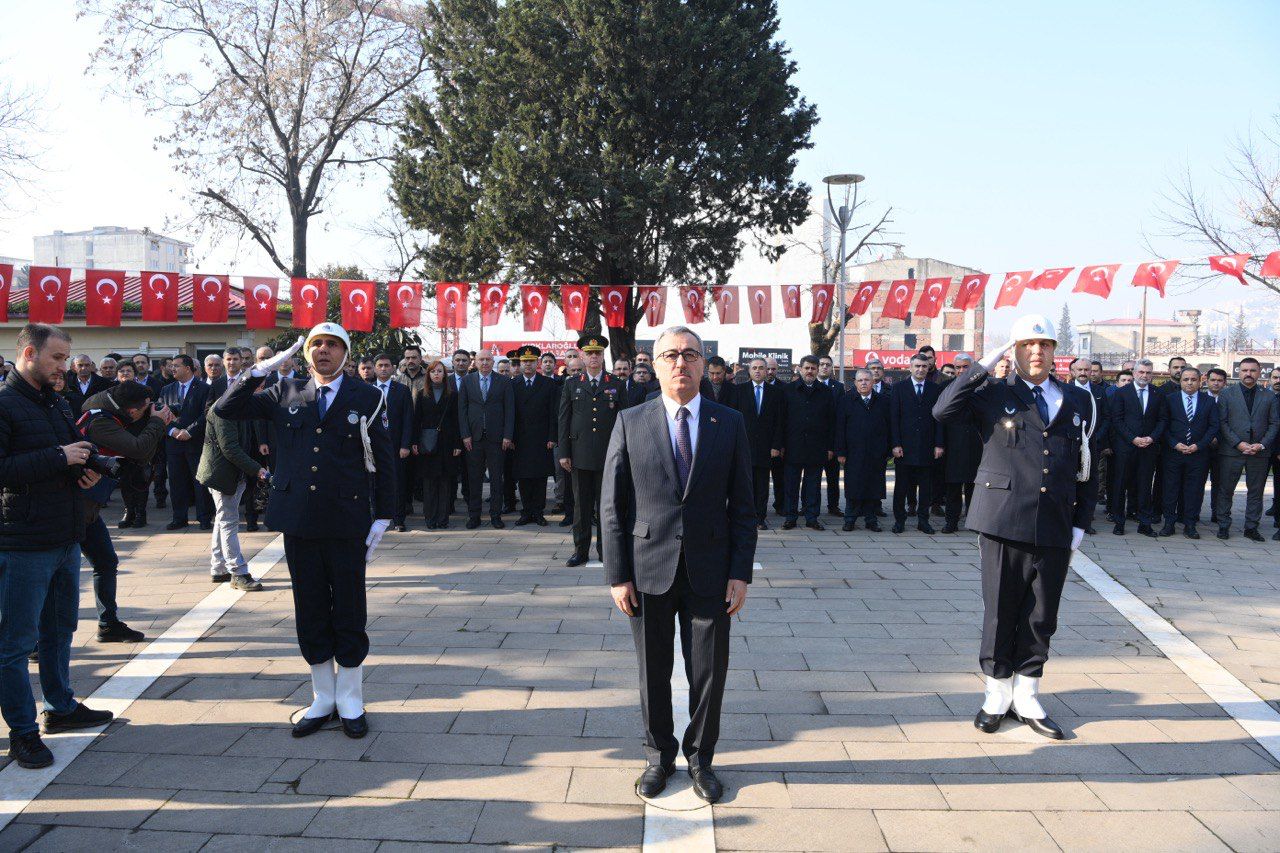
[
  {"x": 705, "y": 784},
  {"x": 566, "y": 521},
  {"x": 815, "y": 525},
  {"x": 1190, "y": 533},
  {"x": 762, "y": 525},
  {"x": 540, "y": 521},
  {"x": 925, "y": 527},
  {"x": 523, "y": 520},
  {"x": 575, "y": 560},
  {"x": 498, "y": 524},
  {"x": 251, "y": 527},
  {"x": 881, "y": 514},
  {"x": 473, "y": 523},
  {"x": 126, "y": 522},
  {"x": 1275, "y": 537},
  {"x": 1167, "y": 530},
  {"x": 788, "y": 525},
  {"x": 1223, "y": 533},
  {"x": 402, "y": 528},
  {"x": 874, "y": 526},
  {"x": 176, "y": 525},
  {"x": 989, "y": 723},
  {"x": 899, "y": 526},
  {"x": 118, "y": 632},
  {"x": 1118, "y": 529},
  {"x": 950, "y": 528},
  {"x": 79, "y": 717},
  {"x": 357, "y": 728},
  {"x": 1253, "y": 535},
  {"x": 1090, "y": 531},
  {"x": 848, "y": 526},
  {"x": 653, "y": 781},
  {"x": 1147, "y": 530},
  {"x": 1045, "y": 726},
  {"x": 835, "y": 512},
  {"x": 310, "y": 725},
  {"x": 206, "y": 525}
]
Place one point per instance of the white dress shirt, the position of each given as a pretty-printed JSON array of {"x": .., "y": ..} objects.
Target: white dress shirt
[
  {"x": 1144, "y": 395},
  {"x": 1052, "y": 394},
  {"x": 694, "y": 406}
]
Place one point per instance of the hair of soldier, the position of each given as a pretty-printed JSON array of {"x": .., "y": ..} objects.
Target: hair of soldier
[
  {"x": 1248, "y": 359},
  {"x": 809, "y": 359},
  {"x": 128, "y": 395},
  {"x": 37, "y": 335},
  {"x": 379, "y": 357},
  {"x": 678, "y": 330},
  {"x": 1218, "y": 371},
  {"x": 717, "y": 361},
  {"x": 1145, "y": 362}
]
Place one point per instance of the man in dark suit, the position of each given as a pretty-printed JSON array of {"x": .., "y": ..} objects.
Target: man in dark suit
[
  {"x": 1248, "y": 423},
  {"x": 536, "y": 400},
  {"x": 589, "y": 405},
  {"x": 1100, "y": 442},
  {"x": 397, "y": 418},
  {"x": 721, "y": 386},
  {"x": 487, "y": 419},
  {"x": 187, "y": 396},
  {"x": 1191, "y": 423},
  {"x": 862, "y": 446},
  {"x": 680, "y": 541},
  {"x": 962, "y": 453},
  {"x": 808, "y": 443},
  {"x": 143, "y": 373},
  {"x": 761, "y": 407},
  {"x": 1137, "y": 425},
  {"x": 83, "y": 383},
  {"x": 917, "y": 443},
  {"x": 831, "y": 470}
]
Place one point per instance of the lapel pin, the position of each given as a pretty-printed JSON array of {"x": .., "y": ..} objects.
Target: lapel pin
[{"x": 713, "y": 420}]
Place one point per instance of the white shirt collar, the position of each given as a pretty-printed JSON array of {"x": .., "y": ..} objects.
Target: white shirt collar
[
  {"x": 595, "y": 378},
  {"x": 1041, "y": 385},
  {"x": 332, "y": 386},
  {"x": 672, "y": 407}
]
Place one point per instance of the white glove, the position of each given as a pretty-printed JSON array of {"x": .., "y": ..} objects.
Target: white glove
[
  {"x": 1077, "y": 536},
  {"x": 376, "y": 530},
  {"x": 995, "y": 355},
  {"x": 262, "y": 368}
]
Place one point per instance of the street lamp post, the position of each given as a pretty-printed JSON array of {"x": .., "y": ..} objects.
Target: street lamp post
[{"x": 843, "y": 216}]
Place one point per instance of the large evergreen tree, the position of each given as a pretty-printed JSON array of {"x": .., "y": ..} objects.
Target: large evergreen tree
[
  {"x": 603, "y": 141},
  {"x": 1066, "y": 332}
]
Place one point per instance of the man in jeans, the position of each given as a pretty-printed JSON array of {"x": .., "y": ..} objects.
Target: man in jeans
[
  {"x": 225, "y": 468},
  {"x": 42, "y": 521}
]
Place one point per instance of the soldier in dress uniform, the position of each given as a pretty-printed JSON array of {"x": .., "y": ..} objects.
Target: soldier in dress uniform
[
  {"x": 333, "y": 494},
  {"x": 536, "y": 427},
  {"x": 1033, "y": 499},
  {"x": 589, "y": 405}
]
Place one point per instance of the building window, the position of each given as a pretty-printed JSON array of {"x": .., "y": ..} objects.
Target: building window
[
  {"x": 909, "y": 341},
  {"x": 953, "y": 342}
]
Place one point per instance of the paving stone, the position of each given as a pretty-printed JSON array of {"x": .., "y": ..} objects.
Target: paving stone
[
  {"x": 171, "y": 740},
  {"x": 545, "y": 721},
  {"x": 1246, "y": 832},
  {"x": 1016, "y": 792},
  {"x": 951, "y": 830},
  {"x": 471, "y": 782},
  {"x": 214, "y": 811},
  {"x": 1150, "y": 830},
  {"x": 1134, "y": 793},
  {"x": 835, "y": 727},
  {"x": 397, "y": 820},
  {"x": 268, "y": 844},
  {"x": 881, "y": 703},
  {"x": 1187, "y": 758},
  {"x": 280, "y": 743},
  {"x": 69, "y": 839},
  {"x": 359, "y": 779},
  {"x": 560, "y": 824},
  {"x": 85, "y": 805},
  {"x": 863, "y": 791},
  {"x": 796, "y": 829},
  {"x": 439, "y": 748}
]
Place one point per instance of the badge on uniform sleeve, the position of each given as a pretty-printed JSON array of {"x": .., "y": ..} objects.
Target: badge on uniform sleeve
[
  {"x": 1075, "y": 420},
  {"x": 353, "y": 418},
  {"x": 293, "y": 410},
  {"x": 1009, "y": 410}
]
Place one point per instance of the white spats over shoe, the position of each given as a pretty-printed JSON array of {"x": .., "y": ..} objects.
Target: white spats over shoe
[
  {"x": 1026, "y": 703},
  {"x": 999, "y": 695},
  {"x": 323, "y": 690},
  {"x": 350, "y": 693}
]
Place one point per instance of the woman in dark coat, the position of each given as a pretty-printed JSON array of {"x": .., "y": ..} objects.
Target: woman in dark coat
[
  {"x": 963, "y": 446},
  {"x": 436, "y": 408},
  {"x": 863, "y": 445}
]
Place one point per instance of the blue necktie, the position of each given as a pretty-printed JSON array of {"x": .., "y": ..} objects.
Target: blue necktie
[
  {"x": 322, "y": 403},
  {"x": 1041, "y": 406},
  {"x": 484, "y": 387},
  {"x": 684, "y": 459},
  {"x": 759, "y": 397}
]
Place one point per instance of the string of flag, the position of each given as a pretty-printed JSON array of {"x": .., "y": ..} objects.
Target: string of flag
[{"x": 49, "y": 288}]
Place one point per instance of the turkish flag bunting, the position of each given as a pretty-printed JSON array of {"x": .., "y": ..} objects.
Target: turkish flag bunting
[
  {"x": 791, "y": 301},
  {"x": 1011, "y": 290},
  {"x": 451, "y": 304},
  {"x": 210, "y": 295},
  {"x": 310, "y": 301},
  {"x": 1229, "y": 265},
  {"x": 533, "y": 305},
  {"x": 862, "y": 299},
  {"x": 970, "y": 293},
  {"x": 693, "y": 301},
  {"x": 493, "y": 298},
  {"x": 1154, "y": 274},
  {"x": 1271, "y": 266},
  {"x": 822, "y": 296},
  {"x": 760, "y": 298},
  {"x": 726, "y": 300},
  {"x": 1049, "y": 279},
  {"x": 261, "y": 302},
  {"x": 160, "y": 297},
  {"x": 613, "y": 302},
  {"x": 6, "y": 282},
  {"x": 932, "y": 297},
  {"x": 47, "y": 294},
  {"x": 898, "y": 303},
  {"x": 404, "y": 303},
  {"x": 1096, "y": 280},
  {"x": 654, "y": 301},
  {"x": 359, "y": 301},
  {"x": 574, "y": 299},
  {"x": 103, "y": 297}
]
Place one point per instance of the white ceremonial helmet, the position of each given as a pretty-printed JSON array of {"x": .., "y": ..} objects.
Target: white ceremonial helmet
[
  {"x": 1032, "y": 327},
  {"x": 332, "y": 330}
]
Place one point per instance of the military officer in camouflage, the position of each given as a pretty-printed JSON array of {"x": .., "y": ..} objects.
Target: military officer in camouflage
[{"x": 589, "y": 405}]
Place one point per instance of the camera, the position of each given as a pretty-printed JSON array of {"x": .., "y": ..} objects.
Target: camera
[{"x": 107, "y": 466}]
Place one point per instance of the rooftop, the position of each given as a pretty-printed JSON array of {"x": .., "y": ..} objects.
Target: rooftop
[{"x": 1137, "y": 321}]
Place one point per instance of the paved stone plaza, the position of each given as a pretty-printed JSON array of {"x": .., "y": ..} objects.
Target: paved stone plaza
[{"x": 501, "y": 689}]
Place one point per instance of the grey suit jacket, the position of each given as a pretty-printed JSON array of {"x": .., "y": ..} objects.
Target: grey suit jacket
[
  {"x": 1237, "y": 423},
  {"x": 494, "y": 416}
]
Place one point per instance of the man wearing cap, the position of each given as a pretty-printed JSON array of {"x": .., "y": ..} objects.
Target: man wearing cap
[
  {"x": 1030, "y": 506},
  {"x": 333, "y": 495},
  {"x": 589, "y": 404},
  {"x": 535, "y": 436}
]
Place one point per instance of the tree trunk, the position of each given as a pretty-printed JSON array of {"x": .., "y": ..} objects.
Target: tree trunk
[
  {"x": 299, "y": 247},
  {"x": 622, "y": 342}
]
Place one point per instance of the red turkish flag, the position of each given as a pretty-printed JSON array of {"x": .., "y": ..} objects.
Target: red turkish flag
[
  {"x": 160, "y": 297},
  {"x": 862, "y": 299},
  {"x": 791, "y": 301},
  {"x": 693, "y": 301},
  {"x": 1271, "y": 266},
  {"x": 404, "y": 304},
  {"x": 210, "y": 297},
  {"x": 1096, "y": 280},
  {"x": 533, "y": 305},
  {"x": 47, "y": 294},
  {"x": 1154, "y": 274},
  {"x": 310, "y": 301},
  {"x": 726, "y": 300},
  {"x": 493, "y": 298},
  {"x": 1011, "y": 290},
  {"x": 6, "y": 282},
  {"x": 613, "y": 302},
  {"x": 261, "y": 302},
  {"x": 654, "y": 301},
  {"x": 970, "y": 293},
  {"x": 358, "y": 299},
  {"x": 822, "y": 294},
  {"x": 1232, "y": 265},
  {"x": 1049, "y": 279},
  {"x": 451, "y": 304},
  {"x": 574, "y": 299},
  {"x": 898, "y": 303},
  {"x": 103, "y": 297},
  {"x": 932, "y": 297},
  {"x": 760, "y": 298}
]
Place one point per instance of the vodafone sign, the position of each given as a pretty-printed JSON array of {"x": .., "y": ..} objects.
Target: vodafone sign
[{"x": 900, "y": 359}]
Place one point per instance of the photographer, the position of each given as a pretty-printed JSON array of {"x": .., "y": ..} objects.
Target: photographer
[
  {"x": 121, "y": 422},
  {"x": 42, "y": 478}
]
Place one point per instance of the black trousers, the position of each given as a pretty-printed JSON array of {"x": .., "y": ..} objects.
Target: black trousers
[
  {"x": 586, "y": 509},
  {"x": 404, "y": 486},
  {"x": 1134, "y": 470},
  {"x": 508, "y": 481},
  {"x": 906, "y": 480},
  {"x": 160, "y": 472},
  {"x": 778, "y": 472},
  {"x": 953, "y": 493},
  {"x": 832, "y": 472},
  {"x": 327, "y": 578},
  {"x": 938, "y": 482},
  {"x": 1184, "y": 476},
  {"x": 183, "y": 488},
  {"x": 533, "y": 497},
  {"x": 760, "y": 489},
  {"x": 484, "y": 455},
  {"x": 1021, "y": 590},
  {"x": 865, "y": 509},
  {"x": 803, "y": 497},
  {"x": 704, "y": 644},
  {"x": 437, "y": 495}
]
